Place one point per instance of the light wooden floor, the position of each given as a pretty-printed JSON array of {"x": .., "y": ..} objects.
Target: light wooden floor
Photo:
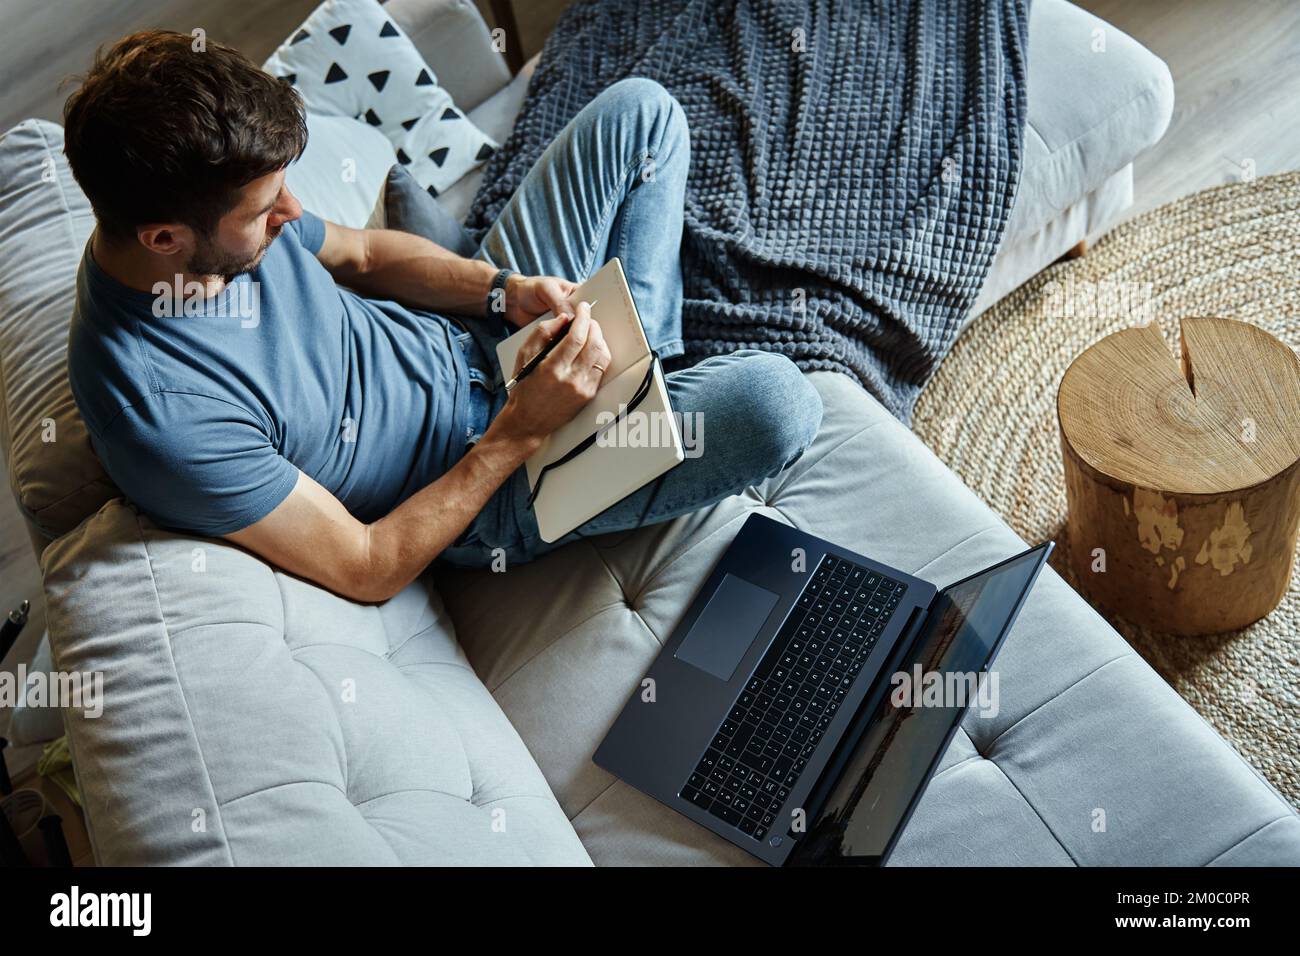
[
  {"x": 44, "y": 41},
  {"x": 1236, "y": 69}
]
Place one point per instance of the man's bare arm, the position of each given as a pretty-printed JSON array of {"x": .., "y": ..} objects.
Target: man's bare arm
[
  {"x": 313, "y": 535},
  {"x": 387, "y": 264}
]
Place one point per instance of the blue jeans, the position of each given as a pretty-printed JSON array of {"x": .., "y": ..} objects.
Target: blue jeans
[{"x": 613, "y": 183}]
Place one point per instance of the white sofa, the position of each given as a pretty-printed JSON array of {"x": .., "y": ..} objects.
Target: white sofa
[{"x": 254, "y": 719}]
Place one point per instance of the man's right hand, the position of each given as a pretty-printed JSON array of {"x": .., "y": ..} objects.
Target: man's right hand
[
  {"x": 312, "y": 535},
  {"x": 563, "y": 383}
]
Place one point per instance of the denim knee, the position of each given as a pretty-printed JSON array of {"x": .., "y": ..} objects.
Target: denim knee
[
  {"x": 660, "y": 118},
  {"x": 783, "y": 409}
]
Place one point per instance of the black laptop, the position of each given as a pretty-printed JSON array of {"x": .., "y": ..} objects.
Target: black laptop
[{"x": 777, "y": 715}]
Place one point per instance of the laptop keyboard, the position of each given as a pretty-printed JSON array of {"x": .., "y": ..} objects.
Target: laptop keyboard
[{"x": 764, "y": 744}]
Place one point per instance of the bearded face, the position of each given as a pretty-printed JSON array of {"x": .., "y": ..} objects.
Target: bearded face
[{"x": 212, "y": 258}]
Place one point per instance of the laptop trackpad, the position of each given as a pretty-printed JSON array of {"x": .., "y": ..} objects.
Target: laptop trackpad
[{"x": 724, "y": 630}]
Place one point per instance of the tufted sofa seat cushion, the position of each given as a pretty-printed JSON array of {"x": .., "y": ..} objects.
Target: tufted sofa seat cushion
[
  {"x": 1084, "y": 724},
  {"x": 253, "y": 719}
]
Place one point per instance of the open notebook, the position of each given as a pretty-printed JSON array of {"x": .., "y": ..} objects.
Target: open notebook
[{"x": 634, "y": 451}]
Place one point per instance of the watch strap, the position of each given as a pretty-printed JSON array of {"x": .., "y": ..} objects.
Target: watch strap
[{"x": 499, "y": 282}]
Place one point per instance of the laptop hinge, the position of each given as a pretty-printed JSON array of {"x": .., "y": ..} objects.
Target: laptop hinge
[{"x": 829, "y": 776}]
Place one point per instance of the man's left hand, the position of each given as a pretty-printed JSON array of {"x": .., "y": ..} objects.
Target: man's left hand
[{"x": 527, "y": 297}]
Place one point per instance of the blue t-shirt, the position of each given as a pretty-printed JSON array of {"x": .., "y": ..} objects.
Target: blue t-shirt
[{"x": 205, "y": 419}]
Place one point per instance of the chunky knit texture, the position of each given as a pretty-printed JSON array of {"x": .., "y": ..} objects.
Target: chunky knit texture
[{"x": 852, "y": 165}]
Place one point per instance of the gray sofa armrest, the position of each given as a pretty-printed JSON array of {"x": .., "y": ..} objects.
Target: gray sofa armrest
[
  {"x": 1097, "y": 99},
  {"x": 454, "y": 40}
]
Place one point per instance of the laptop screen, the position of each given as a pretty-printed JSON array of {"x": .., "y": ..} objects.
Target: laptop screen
[{"x": 904, "y": 727}]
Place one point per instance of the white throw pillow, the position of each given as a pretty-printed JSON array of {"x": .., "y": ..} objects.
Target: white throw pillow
[
  {"x": 349, "y": 59},
  {"x": 341, "y": 175}
]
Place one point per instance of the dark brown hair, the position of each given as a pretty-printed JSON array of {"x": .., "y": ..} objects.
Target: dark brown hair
[{"x": 161, "y": 132}]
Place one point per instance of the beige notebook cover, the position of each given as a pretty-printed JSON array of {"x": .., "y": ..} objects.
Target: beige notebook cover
[{"x": 625, "y": 459}]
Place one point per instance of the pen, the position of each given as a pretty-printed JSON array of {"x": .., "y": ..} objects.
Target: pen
[
  {"x": 13, "y": 626},
  {"x": 531, "y": 365}
]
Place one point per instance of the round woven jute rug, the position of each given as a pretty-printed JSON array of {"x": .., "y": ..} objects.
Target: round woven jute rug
[{"x": 990, "y": 414}]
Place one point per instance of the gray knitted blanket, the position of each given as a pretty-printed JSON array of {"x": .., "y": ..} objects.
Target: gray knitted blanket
[{"x": 852, "y": 165}]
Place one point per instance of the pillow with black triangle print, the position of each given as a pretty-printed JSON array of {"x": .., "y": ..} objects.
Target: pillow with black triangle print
[{"x": 349, "y": 59}]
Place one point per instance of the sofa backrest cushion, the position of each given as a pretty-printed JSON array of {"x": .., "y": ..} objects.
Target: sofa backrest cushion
[{"x": 45, "y": 222}]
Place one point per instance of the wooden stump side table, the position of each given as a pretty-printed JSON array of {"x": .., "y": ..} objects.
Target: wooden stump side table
[{"x": 1183, "y": 483}]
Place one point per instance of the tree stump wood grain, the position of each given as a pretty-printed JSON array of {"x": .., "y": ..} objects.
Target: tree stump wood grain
[{"x": 1186, "y": 478}]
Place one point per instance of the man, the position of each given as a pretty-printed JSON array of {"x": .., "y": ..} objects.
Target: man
[{"x": 340, "y": 435}]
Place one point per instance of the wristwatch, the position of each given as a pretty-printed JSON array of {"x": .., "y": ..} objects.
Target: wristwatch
[{"x": 498, "y": 283}]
